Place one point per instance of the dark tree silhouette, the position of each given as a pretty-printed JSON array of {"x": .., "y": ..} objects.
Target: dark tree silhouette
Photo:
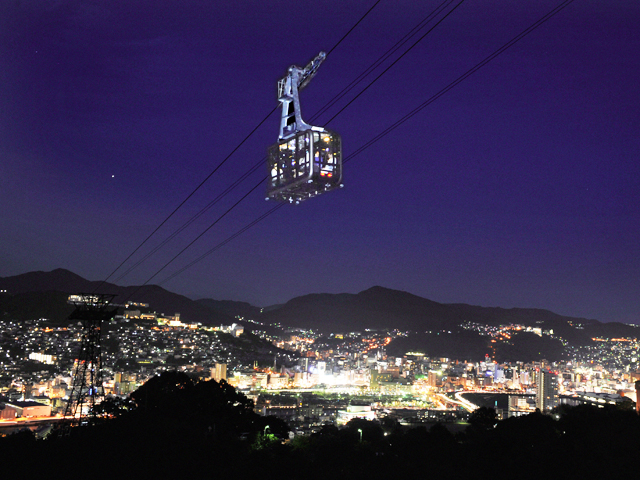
[
  {"x": 371, "y": 431},
  {"x": 483, "y": 419},
  {"x": 162, "y": 391}
]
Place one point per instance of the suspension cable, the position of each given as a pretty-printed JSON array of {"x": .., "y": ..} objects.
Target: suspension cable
[
  {"x": 395, "y": 61},
  {"x": 223, "y": 161},
  {"x": 460, "y": 79},
  {"x": 425, "y": 21},
  {"x": 393, "y": 126}
]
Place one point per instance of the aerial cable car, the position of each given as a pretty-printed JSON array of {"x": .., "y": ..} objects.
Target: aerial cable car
[{"x": 307, "y": 160}]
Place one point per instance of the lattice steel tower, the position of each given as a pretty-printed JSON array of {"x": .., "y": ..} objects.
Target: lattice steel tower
[{"x": 87, "y": 389}]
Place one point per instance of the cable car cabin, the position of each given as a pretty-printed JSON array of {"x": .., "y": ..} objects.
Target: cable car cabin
[
  {"x": 305, "y": 165},
  {"x": 307, "y": 160}
]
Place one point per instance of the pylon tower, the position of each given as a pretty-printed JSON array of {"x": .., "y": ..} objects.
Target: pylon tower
[{"x": 87, "y": 389}]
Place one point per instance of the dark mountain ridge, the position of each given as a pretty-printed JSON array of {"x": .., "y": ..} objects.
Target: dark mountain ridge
[
  {"x": 30, "y": 296},
  {"x": 44, "y": 295},
  {"x": 231, "y": 307},
  {"x": 380, "y": 307}
]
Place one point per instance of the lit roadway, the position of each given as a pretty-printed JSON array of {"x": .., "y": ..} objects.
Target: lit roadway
[
  {"x": 29, "y": 421},
  {"x": 467, "y": 405},
  {"x": 440, "y": 401}
]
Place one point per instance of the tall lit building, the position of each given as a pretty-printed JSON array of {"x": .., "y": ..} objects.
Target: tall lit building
[
  {"x": 220, "y": 372},
  {"x": 434, "y": 378},
  {"x": 547, "y": 394}
]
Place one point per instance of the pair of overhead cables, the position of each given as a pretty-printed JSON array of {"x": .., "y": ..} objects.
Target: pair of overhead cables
[
  {"x": 208, "y": 177},
  {"x": 394, "y": 48},
  {"x": 439, "y": 9},
  {"x": 392, "y": 127},
  {"x": 460, "y": 79},
  {"x": 180, "y": 206},
  {"x": 192, "y": 219},
  {"x": 402, "y": 41},
  {"x": 422, "y": 24}
]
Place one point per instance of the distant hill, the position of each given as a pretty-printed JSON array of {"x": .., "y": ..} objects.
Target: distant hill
[
  {"x": 34, "y": 305},
  {"x": 380, "y": 307},
  {"x": 459, "y": 345},
  {"x": 60, "y": 280},
  {"x": 248, "y": 312},
  {"x": 231, "y": 308},
  {"x": 44, "y": 295},
  {"x": 376, "y": 307},
  {"x": 433, "y": 326}
]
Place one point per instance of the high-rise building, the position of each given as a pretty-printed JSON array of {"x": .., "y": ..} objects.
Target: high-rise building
[
  {"x": 434, "y": 378},
  {"x": 219, "y": 372},
  {"x": 547, "y": 394}
]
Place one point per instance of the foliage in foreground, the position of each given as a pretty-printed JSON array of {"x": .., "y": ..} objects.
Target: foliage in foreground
[{"x": 173, "y": 427}]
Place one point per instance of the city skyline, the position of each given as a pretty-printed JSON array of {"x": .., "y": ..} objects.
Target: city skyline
[{"x": 517, "y": 188}]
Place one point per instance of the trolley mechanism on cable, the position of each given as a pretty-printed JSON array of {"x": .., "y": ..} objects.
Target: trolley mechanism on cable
[{"x": 307, "y": 160}]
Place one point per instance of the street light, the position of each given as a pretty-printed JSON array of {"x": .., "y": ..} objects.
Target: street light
[
  {"x": 360, "y": 430},
  {"x": 264, "y": 434}
]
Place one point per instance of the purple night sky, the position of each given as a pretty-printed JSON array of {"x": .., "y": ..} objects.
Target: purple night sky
[{"x": 520, "y": 187}]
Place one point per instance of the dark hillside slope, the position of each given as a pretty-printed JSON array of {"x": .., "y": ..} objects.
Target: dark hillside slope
[
  {"x": 232, "y": 308},
  {"x": 44, "y": 295},
  {"x": 380, "y": 307},
  {"x": 374, "y": 308}
]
